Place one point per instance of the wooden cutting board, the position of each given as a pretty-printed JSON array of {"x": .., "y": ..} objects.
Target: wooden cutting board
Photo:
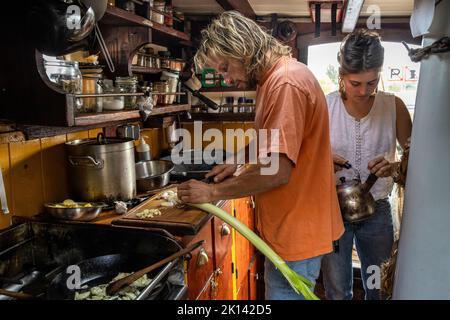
[{"x": 177, "y": 221}]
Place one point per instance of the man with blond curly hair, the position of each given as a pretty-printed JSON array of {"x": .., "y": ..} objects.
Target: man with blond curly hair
[{"x": 297, "y": 208}]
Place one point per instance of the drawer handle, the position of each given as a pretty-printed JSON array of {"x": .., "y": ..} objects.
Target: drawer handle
[
  {"x": 202, "y": 258},
  {"x": 225, "y": 230}
]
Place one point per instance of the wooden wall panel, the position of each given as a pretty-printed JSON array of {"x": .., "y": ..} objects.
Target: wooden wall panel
[
  {"x": 77, "y": 135},
  {"x": 26, "y": 164},
  {"x": 54, "y": 169},
  {"x": 94, "y": 132}
]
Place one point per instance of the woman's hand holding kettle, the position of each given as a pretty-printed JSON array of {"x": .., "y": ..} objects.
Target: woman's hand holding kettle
[
  {"x": 381, "y": 167},
  {"x": 340, "y": 163}
]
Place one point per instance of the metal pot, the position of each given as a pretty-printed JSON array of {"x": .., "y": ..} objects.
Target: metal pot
[
  {"x": 102, "y": 169},
  {"x": 153, "y": 174}
]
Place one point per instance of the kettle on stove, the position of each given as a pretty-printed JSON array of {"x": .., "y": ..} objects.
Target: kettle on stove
[{"x": 355, "y": 200}]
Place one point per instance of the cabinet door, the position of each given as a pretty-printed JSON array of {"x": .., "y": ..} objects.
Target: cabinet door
[
  {"x": 255, "y": 278},
  {"x": 205, "y": 293},
  {"x": 243, "y": 289},
  {"x": 222, "y": 237},
  {"x": 200, "y": 266},
  {"x": 250, "y": 207},
  {"x": 222, "y": 288},
  {"x": 242, "y": 245}
]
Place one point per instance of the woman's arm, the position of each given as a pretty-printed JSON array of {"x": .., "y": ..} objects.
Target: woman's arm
[
  {"x": 382, "y": 167},
  {"x": 403, "y": 122}
]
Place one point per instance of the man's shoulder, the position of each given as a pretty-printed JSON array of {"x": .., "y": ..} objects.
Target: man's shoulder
[
  {"x": 294, "y": 73},
  {"x": 289, "y": 69}
]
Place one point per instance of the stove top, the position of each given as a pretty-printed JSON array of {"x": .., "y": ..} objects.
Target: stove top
[{"x": 33, "y": 253}]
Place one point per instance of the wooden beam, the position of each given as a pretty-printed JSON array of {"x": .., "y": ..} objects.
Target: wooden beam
[{"x": 239, "y": 5}]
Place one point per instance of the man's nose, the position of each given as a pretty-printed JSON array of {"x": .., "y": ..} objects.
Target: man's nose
[{"x": 228, "y": 80}]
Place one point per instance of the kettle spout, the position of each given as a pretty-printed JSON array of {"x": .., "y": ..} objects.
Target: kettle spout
[{"x": 368, "y": 184}]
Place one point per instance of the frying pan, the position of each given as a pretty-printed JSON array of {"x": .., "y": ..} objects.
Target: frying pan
[
  {"x": 103, "y": 269},
  {"x": 193, "y": 169}
]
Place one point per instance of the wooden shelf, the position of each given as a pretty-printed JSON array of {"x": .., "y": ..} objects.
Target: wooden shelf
[
  {"x": 170, "y": 108},
  {"x": 112, "y": 116},
  {"x": 120, "y": 17},
  {"x": 225, "y": 89},
  {"x": 107, "y": 116},
  {"x": 146, "y": 70},
  {"x": 218, "y": 117}
]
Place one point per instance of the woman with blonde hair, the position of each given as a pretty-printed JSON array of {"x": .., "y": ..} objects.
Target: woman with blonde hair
[
  {"x": 291, "y": 108},
  {"x": 365, "y": 125}
]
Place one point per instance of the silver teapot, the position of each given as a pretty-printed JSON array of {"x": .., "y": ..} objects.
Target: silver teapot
[{"x": 355, "y": 200}]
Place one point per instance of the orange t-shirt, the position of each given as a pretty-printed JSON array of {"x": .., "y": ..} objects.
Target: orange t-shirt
[{"x": 299, "y": 220}]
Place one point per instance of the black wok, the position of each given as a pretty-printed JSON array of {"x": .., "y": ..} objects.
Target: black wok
[{"x": 102, "y": 269}]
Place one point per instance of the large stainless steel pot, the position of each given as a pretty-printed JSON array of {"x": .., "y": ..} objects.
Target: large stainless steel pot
[{"x": 102, "y": 169}]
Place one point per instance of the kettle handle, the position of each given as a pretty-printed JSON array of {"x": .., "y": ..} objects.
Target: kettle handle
[{"x": 371, "y": 179}]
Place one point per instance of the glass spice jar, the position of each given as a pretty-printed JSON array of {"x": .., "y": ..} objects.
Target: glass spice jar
[
  {"x": 128, "y": 85},
  {"x": 165, "y": 59}
]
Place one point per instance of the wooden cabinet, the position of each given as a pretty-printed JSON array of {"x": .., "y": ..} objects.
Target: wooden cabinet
[
  {"x": 205, "y": 294},
  {"x": 243, "y": 292},
  {"x": 255, "y": 277},
  {"x": 201, "y": 265},
  {"x": 231, "y": 270},
  {"x": 222, "y": 237},
  {"x": 244, "y": 249},
  {"x": 223, "y": 280},
  {"x": 223, "y": 275}
]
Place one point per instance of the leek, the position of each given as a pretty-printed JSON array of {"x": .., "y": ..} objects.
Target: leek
[{"x": 300, "y": 284}]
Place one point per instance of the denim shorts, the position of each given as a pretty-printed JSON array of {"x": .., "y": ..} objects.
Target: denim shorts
[{"x": 276, "y": 285}]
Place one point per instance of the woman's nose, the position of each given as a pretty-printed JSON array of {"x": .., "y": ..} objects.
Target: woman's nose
[{"x": 363, "y": 91}]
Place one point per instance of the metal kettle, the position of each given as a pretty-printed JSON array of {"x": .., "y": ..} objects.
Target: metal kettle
[{"x": 355, "y": 200}]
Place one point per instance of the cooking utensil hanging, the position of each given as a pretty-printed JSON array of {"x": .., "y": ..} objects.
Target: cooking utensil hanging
[{"x": 104, "y": 48}]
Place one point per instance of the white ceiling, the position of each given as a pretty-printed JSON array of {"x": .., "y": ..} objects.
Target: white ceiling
[
  {"x": 300, "y": 7},
  {"x": 297, "y": 8}
]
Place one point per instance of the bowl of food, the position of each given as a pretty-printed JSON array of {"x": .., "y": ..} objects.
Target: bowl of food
[{"x": 71, "y": 210}]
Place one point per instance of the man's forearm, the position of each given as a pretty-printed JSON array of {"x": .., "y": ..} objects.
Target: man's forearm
[{"x": 249, "y": 182}]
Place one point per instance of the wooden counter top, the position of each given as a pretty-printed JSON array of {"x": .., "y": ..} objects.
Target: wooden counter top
[{"x": 106, "y": 217}]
